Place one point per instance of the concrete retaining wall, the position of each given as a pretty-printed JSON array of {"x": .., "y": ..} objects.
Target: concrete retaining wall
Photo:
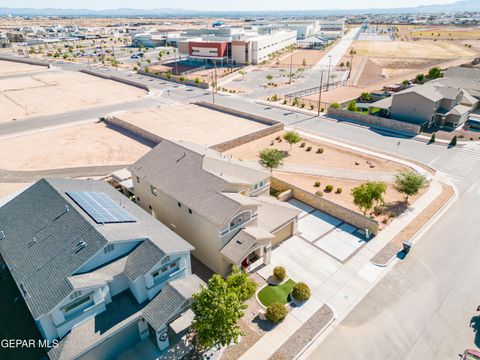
[
  {"x": 230, "y": 144},
  {"x": 351, "y": 217},
  {"x": 25, "y": 61},
  {"x": 115, "y": 78},
  {"x": 112, "y": 120},
  {"x": 374, "y": 121},
  {"x": 175, "y": 79}
]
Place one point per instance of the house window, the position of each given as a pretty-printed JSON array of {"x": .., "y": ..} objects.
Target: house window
[
  {"x": 79, "y": 304},
  {"x": 108, "y": 248},
  {"x": 75, "y": 294},
  {"x": 160, "y": 274},
  {"x": 179, "y": 204},
  {"x": 190, "y": 211},
  {"x": 153, "y": 189}
]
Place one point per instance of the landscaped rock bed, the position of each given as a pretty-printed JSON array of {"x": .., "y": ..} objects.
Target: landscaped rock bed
[{"x": 304, "y": 335}]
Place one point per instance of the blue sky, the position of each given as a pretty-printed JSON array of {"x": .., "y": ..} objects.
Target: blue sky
[{"x": 250, "y": 5}]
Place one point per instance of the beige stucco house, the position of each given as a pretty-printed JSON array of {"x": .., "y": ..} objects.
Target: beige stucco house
[{"x": 218, "y": 204}]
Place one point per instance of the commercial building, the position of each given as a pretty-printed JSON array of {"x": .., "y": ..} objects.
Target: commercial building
[
  {"x": 219, "y": 205},
  {"x": 91, "y": 265},
  {"x": 238, "y": 48}
]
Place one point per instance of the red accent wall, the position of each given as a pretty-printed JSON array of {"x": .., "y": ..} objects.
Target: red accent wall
[{"x": 220, "y": 46}]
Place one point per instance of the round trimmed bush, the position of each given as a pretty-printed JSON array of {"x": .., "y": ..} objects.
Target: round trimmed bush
[
  {"x": 320, "y": 151},
  {"x": 319, "y": 193},
  {"x": 317, "y": 184},
  {"x": 279, "y": 273},
  {"x": 276, "y": 312},
  {"x": 328, "y": 188},
  {"x": 339, "y": 190},
  {"x": 301, "y": 291}
]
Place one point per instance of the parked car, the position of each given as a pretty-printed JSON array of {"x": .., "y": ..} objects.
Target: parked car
[{"x": 471, "y": 354}]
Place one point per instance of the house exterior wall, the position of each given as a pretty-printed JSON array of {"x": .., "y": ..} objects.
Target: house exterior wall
[
  {"x": 207, "y": 50},
  {"x": 192, "y": 227},
  {"x": 411, "y": 107},
  {"x": 101, "y": 258}
]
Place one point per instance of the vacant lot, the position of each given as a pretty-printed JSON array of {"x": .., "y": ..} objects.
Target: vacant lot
[
  {"x": 75, "y": 146},
  {"x": 411, "y": 49},
  {"x": 191, "y": 123},
  {"x": 56, "y": 92},
  {"x": 10, "y": 67},
  {"x": 446, "y": 32}
]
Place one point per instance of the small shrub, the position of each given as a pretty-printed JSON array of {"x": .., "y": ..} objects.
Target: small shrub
[
  {"x": 276, "y": 312},
  {"x": 328, "y": 188},
  {"x": 317, "y": 184},
  {"x": 197, "y": 80},
  {"x": 335, "y": 105},
  {"x": 135, "y": 68},
  {"x": 279, "y": 273},
  {"x": 320, "y": 151},
  {"x": 379, "y": 210},
  {"x": 432, "y": 139},
  {"x": 309, "y": 148},
  {"x": 339, "y": 191},
  {"x": 454, "y": 141},
  {"x": 302, "y": 105},
  {"x": 181, "y": 78},
  {"x": 301, "y": 291},
  {"x": 302, "y": 145},
  {"x": 284, "y": 102},
  {"x": 311, "y": 107},
  {"x": 319, "y": 193},
  {"x": 278, "y": 138}
]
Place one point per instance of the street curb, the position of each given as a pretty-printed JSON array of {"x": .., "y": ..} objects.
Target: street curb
[
  {"x": 287, "y": 108},
  {"x": 317, "y": 335}
]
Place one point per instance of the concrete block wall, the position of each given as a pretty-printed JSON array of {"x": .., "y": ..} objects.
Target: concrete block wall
[
  {"x": 138, "y": 131},
  {"x": 115, "y": 78},
  {"x": 374, "y": 121},
  {"x": 233, "y": 143},
  {"x": 25, "y": 61},
  {"x": 175, "y": 79},
  {"x": 349, "y": 216}
]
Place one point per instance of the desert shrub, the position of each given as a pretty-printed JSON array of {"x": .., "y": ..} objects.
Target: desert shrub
[
  {"x": 278, "y": 138},
  {"x": 311, "y": 107},
  {"x": 317, "y": 184},
  {"x": 302, "y": 145},
  {"x": 181, "y": 78},
  {"x": 279, "y": 273},
  {"x": 309, "y": 148},
  {"x": 335, "y": 105},
  {"x": 301, "y": 291},
  {"x": 276, "y": 312},
  {"x": 328, "y": 188},
  {"x": 320, "y": 151},
  {"x": 379, "y": 209},
  {"x": 339, "y": 191},
  {"x": 319, "y": 193}
]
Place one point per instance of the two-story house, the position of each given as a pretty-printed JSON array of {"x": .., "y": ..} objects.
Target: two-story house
[
  {"x": 88, "y": 261},
  {"x": 432, "y": 104},
  {"x": 218, "y": 204}
]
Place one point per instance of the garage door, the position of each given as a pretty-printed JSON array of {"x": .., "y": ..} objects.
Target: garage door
[{"x": 282, "y": 234}]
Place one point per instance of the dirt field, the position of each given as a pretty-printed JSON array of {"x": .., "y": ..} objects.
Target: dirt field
[
  {"x": 57, "y": 92},
  {"x": 8, "y": 189},
  {"x": 333, "y": 156},
  {"x": 191, "y": 123},
  {"x": 9, "y": 67},
  {"x": 83, "y": 145},
  {"x": 411, "y": 50},
  {"x": 311, "y": 57},
  {"x": 446, "y": 32}
]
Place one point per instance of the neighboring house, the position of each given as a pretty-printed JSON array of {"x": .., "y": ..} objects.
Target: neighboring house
[
  {"x": 432, "y": 104},
  {"x": 88, "y": 261},
  {"x": 218, "y": 204}
]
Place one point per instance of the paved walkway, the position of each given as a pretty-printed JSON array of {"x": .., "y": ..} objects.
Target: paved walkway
[{"x": 345, "y": 285}]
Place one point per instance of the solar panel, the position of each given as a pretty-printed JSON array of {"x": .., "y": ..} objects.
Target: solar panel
[{"x": 100, "y": 207}]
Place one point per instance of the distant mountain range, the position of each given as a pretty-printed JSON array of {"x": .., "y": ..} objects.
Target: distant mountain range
[{"x": 459, "y": 6}]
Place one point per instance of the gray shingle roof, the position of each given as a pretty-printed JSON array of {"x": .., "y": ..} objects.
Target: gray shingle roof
[
  {"x": 143, "y": 258},
  {"x": 171, "y": 300},
  {"x": 41, "y": 238},
  {"x": 196, "y": 177},
  {"x": 243, "y": 243}
]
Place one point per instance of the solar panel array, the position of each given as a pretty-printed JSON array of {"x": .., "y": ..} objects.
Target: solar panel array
[{"x": 100, "y": 207}]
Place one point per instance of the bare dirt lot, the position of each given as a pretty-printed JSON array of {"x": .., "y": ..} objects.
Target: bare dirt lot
[
  {"x": 82, "y": 145},
  {"x": 410, "y": 49},
  {"x": 191, "y": 123},
  {"x": 10, "y": 67},
  {"x": 311, "y": 57},
  {"x": 58, "y": 92},
  {"x": 332, "y": 156},
  {"x": 8, "y": 189}
]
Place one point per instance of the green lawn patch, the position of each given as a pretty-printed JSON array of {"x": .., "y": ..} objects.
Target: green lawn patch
[{"x": 276, "y": 293}]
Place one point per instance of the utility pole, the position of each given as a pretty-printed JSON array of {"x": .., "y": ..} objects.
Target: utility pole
[
  {"x": 114, "y": 58},
  {"x": 320, "y": 93},
  {"x": 291, "y": 60},
  {"x": 329, "y": 67}
]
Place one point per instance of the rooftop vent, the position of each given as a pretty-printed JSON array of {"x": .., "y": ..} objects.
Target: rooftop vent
[{"x": 2, "y": 235}]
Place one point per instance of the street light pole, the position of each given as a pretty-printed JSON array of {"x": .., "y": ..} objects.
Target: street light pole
[
  {"x": 291, "y": 60},
  {"x": 320, "y": 93},
  {"x": 329, "y": 66}
]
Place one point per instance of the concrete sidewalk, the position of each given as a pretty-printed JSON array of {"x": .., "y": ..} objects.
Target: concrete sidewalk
[{"x": 351, "y": 282}]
